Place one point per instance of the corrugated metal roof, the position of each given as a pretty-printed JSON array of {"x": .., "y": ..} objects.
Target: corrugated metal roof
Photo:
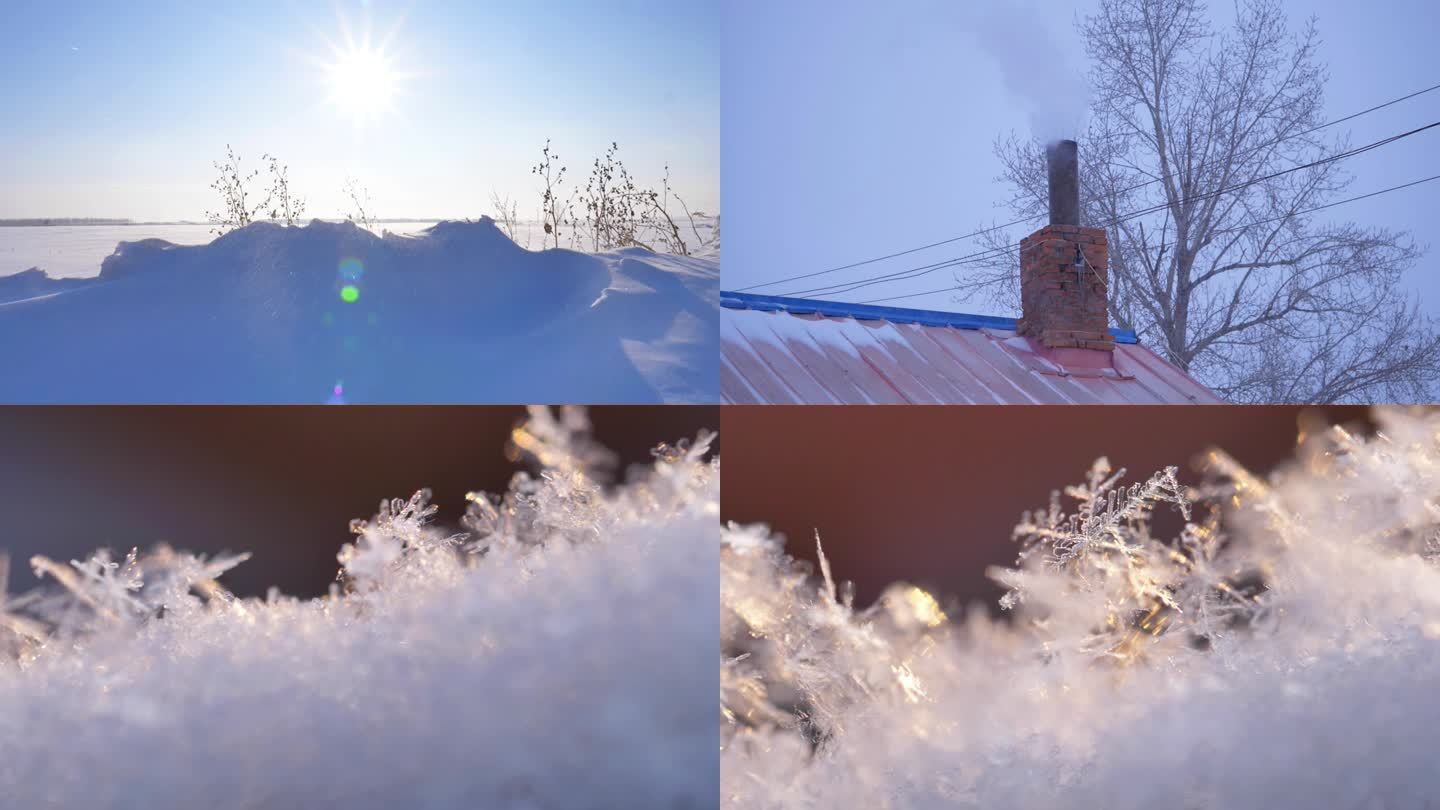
[{"x": 782, "y": 351}]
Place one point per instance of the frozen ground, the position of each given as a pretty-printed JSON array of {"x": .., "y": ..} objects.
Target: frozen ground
[
  {"x": 555, "y": 657},
  {"x": 332, "y": 312},
  {"x": 1279, "y": 651}
]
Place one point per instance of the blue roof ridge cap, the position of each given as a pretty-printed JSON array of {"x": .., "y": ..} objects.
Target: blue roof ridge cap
[{"x": 871, "y": 312}]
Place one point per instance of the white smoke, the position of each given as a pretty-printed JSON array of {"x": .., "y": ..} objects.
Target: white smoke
[{"x": 1040, "y": 65}]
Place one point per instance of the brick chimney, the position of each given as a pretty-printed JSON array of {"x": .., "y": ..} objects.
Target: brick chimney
[{"x": 1064, "y": 267}]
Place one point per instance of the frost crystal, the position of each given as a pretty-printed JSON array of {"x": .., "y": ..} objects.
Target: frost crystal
[
  {"x": 563, "y": 667},
  {"x": 1277, "y": 649},
  {"x": 398, "y": 529}
]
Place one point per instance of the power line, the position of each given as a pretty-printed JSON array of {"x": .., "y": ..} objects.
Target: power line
[
  {"x": 1333, "y": 158},
  {"x": 902, "y": 275},
  {"x": 993, "y": 228},
  {"x": 1282, "y": 139},
  {"x": 1153, "y": 209},
  {"x": 891, "y": 255},
  {"x": 1224, "y": 230},
  {"x": 916, "y": 272},
  {"x": 850, "y": 286}
]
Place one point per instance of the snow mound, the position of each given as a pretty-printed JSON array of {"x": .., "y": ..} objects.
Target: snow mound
[
  {"x": 331, "y": 311},
  {"x": 1278, "y": 652},
  {"x": 32, "y": 284},
  {"x": 554, "y": 656}
]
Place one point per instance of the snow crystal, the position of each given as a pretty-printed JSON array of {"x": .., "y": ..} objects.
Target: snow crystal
[
  {"x": 1276, "y": 651},
  {"x": 553, "y": 657}
]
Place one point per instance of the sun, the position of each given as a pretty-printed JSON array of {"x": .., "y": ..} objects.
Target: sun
[{"x": 363, "y": 82}]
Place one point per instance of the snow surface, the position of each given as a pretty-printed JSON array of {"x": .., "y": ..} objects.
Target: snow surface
[
  {"x": 77, "y": 251},
  {"x": 458, "y": 313},
  {"x": 556, "y": 657},
  {"x": 1279, "y": 652}
]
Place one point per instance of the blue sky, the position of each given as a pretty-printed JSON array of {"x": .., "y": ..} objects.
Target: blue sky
[
  {"x": 116, "y": 109},
  {"x": 855, "y": 130}
]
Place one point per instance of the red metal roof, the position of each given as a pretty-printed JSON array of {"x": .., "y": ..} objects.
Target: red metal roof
[{"x": 796, "y": 351}]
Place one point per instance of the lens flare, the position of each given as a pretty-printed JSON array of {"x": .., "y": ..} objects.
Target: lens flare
[
  {"x": 349, "y": 293},
  {"x": 351, "y": 270}
]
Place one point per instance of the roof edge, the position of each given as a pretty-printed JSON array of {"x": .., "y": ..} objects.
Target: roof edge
[{"x": 870, "y": 312}]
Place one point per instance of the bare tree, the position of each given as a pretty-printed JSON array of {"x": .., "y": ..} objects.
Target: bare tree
[
  {"x": 285, "y": 205},
  {"x": 233, "y": 186},
  {"x": 618, "y": 212},
  {"x": 1229, "y": 276},
  {"x": 614, "y": 205},
  {"x": 359, "y": 201},
  {"x": 507, "y": 217},
  {"x": 671, "y": 238},
  {"x": 554, "y": 212},
  {"x": 280, "y": 203}
]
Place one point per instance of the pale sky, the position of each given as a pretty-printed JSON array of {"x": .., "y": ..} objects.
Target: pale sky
[
  {"x": 117, "y": 109},
  {"x": 853, "y": 130}
]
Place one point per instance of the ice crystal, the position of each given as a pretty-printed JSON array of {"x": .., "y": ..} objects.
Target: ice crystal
[
  {"x": 564, "y": 668},
  {"x": 1103, "y": 556},
  {"x": 1274, "y": 650},
  {"x": 99, "y": 593},
  {"x": 398, "y": 529}
]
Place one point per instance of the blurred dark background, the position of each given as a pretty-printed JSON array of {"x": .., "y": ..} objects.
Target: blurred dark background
[
  {"x": 281, "y": 482},
  {"x": 930, "y": 495}
]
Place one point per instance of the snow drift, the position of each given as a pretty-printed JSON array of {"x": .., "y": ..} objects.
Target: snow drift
[
  {"x": 330, "y": 311},
  {"x": 555, "y": 656},
  {"x": 1279, "y": 651}
]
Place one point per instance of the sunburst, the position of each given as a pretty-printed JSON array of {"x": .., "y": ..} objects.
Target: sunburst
[
  {"x": 363, "y": 82},
  {"x": 362, "y": 75}
]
